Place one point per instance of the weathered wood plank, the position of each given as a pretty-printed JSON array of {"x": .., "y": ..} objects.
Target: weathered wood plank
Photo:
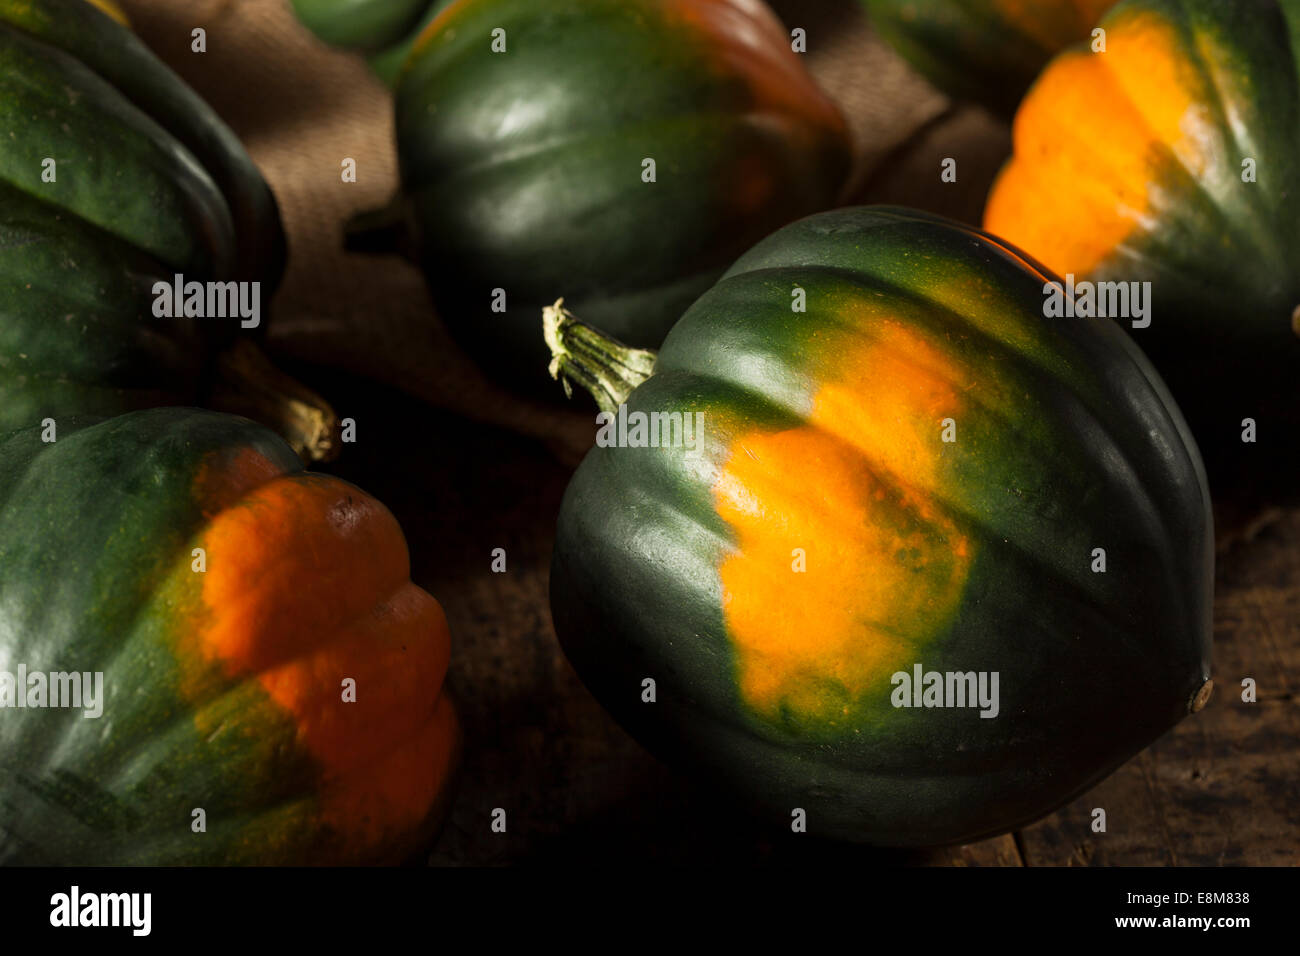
[{"x": 1000, "y": 851}]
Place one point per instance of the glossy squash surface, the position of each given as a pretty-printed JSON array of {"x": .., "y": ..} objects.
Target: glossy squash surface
[
  {"x": 383, "y": 30},
  {"x": 917, "y": 470},
  {"x": 619, "y": 153},
  {"x": 227, "y": 598},
  {"x": 114, "y": 175},
  {"x": 1173, "y": 159}
]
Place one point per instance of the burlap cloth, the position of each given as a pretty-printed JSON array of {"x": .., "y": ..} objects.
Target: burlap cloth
[{"x": 301, "y": 107}]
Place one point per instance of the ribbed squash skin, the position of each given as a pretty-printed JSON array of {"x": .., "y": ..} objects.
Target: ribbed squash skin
[
  {"x": 149, "y": 183},
  {"x": 384, "y": 30},
  {"x": 823, "y": 432},
  {"x": 1128, "y": 167},
  {"x": 985, "y": 50},
  {"x": 524, "y": 168},
  {"x": 223, "y": 689}
]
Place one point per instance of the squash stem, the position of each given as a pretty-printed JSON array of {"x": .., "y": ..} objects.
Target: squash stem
[
  {"x": 247, "y": 383},
  {"x": 605, "y": 367},
  {"x": 1201, "y": 697}
]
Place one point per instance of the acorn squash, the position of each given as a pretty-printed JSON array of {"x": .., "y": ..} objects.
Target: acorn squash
[
  {"x": 382, "y": 30},
  {"x": 989, "y": 50},
  {"x": 1172, "y": 160},
  {"x": 877, "y": 462},
  {"x": 619, "y": 153},
  {"x": 268, "y": 676},
  {"x": 114, "y": 177}
]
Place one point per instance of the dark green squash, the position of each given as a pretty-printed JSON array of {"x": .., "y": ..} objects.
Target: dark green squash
[
  {"x": 984, "y": 50},
  {"x": 147, "y": 183},
  {"x": 224, "y": 595},
  {"x": 524, "y": 171},
  {"x": 383, "y": 30},
  {"x": 824, "y": 534}
]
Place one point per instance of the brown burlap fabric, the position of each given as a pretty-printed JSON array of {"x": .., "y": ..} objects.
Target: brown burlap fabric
[{"x": 301, "y": 108}]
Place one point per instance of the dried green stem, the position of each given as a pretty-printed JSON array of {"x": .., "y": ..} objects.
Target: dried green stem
[{"x": 584, "y": 356}]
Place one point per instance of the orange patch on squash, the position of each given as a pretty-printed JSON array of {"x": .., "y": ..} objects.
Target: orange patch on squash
[
  {"x": 746, "y": 40},
  {"x": 308, "y": 583},
  {"x": 751, "y": 185},
  {"x": 1090, "y": 138},
  {"x": 855, "y": 489},
  {"x": 225, "y": 477},
  {"x": 361, "y": 804}
]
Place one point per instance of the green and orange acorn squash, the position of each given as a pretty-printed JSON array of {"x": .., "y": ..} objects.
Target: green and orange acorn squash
[
  {"x": 877, "y": 460},
  {"x": 115, "y": 176},
  {"x": 984, "y": 50},
  {"x": 618, "y": 153},
  {"x": 1174, "y": 159},
  {"x": 231, "y": 604}
]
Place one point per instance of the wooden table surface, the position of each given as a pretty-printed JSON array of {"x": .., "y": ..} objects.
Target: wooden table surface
[{"x": 1223, "y": 787}]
